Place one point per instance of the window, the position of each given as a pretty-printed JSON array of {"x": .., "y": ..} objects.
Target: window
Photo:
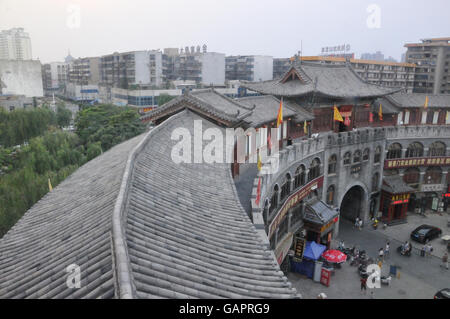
[
  {"x": 375, "y": 181},
  {"x": 314, "y": 170},
  {"x": 412, "y": 176},
  {"x": 414, "y": 150},
  {"x": 299, "y": 176},
  {"x": 437, "y": 149},
  {"x": 394, "y": 151},
  {"x": 357, "y": 157},
  {"x": 347, "y": 158},
  {"x": 286, "y": 187},
  {"x": 433, "y": 175},
  {"x": 366, "y": 154},
  {"x": 330, "y": 195},
  {"x": 332, "y": 164},
  {"x": 274, "y": 199},
  {"x": 377, "y": 157}
]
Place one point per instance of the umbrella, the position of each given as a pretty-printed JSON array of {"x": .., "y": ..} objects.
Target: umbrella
[{"x": 334, "y": 256}]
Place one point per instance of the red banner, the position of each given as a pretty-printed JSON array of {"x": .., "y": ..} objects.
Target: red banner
[{"x": 413, "y": 162}]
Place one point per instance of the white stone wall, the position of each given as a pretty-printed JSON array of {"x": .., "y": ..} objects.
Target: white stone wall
[{"x": 22, "y": 77}]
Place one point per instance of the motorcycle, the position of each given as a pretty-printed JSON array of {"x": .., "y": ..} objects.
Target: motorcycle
[{"x": 403, "y": 252}]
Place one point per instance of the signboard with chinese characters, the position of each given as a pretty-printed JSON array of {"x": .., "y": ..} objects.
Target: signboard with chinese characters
[
  {"x": 412, "y": 162},
  {"x": 432, "y": 188},
  {"x": 293, "y": 200},
  {"x": 336, "y": 48},
  {"x": 355, "y": 169},
  {"x": 400, "y": 199},
  {"x": 299, "y": 249}
]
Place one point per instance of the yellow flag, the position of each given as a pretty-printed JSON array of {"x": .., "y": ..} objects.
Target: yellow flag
[
  {"x": 280, "y": 114},
  {"x": 50, "y": 188},
  {"x": 380, "y": 113},
  {"x": 259, "y": 162},
  {"x": 426, "y": 102},
  {"x": 337, "y": 115},
  {"x": 305, "y": 127}
]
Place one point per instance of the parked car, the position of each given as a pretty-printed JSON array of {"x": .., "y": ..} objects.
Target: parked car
[
  {"x": 425, "y": 233},
  {"x": 443, "y": 294}
]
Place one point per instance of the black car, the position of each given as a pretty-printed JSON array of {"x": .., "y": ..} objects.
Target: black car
[
  {"x": 425, "y": 233},
  {"x": 443, "y": 294}
]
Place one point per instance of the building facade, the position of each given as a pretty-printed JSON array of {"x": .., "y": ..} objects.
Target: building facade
[
  {"x": 85, "y": 71},
  {"x": 132, "y": 68},
  {"x": 21, "y": 78},
  {"x": 432, "y": 58},
  {"x": 15, "y": 44},
  {"x": 249, "y": 68}
]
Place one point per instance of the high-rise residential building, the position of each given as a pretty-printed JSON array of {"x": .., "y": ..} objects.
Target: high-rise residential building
[
  {"x": 85, "y": 71},
  {"x": 132, "y": 68},
  {"x": 55, "y": 75},
  {"x": 432, "y": 58},
  {"x": 205, "y": 68},
  {"x": 249, "y": 68},
  {"x": 15, "y": 44}
]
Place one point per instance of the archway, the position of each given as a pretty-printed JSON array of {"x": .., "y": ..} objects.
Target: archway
[{"x": 352, "y": 204}]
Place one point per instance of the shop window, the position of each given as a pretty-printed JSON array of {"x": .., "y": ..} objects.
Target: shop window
[
  {"x": 332, "y": 164},
  {"x": 347, "y": 158},
  {"x": 394, "y": 151},
  {"x": 366, "y": 154},
  {"x": 357, "y": 157},
  {"x": 299, "y": 176},
  {"x": 414, "y": 150},
  {"x": 437, "y": 149}
]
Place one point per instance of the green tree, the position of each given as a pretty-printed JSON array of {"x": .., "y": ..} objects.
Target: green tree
[
  {"x": 63, "y": 116},
  {"x": 164, "y": 98}
]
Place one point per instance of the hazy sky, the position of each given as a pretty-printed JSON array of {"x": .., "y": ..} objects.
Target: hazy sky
[{"x": 228, "y": 26}]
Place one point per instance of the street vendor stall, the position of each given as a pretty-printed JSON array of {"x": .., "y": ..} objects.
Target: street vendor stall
[{"x": 312, "y": 253}]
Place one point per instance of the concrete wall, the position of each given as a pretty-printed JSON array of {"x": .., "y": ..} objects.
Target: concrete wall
[
  {"x": 213, "y": 68},
  {"x": 263, "y": 68},
  {"x": 22, "y": 77}
]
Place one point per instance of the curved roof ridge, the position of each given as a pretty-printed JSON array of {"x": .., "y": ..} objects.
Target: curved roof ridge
[{"x": 123, "y": 280}]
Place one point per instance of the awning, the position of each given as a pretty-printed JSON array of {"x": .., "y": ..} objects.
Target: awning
[
  {"x": 313, "y": 251},
  {"x": 396, "y": 185}
]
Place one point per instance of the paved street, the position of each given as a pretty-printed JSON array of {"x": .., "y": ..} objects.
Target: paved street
[{"x": 419, "y": 277}]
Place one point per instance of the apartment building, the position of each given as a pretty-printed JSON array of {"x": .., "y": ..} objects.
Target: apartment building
[
  {"x": 205, "y": 68},
  {"x": 55, "y": 75},
  {"x": 432, "y": 58},
  {"x": 249, "y": 68},
  {"x": 281, "y": 66},
  {"x": 85, "y": 71},
  {"x": 15, "y": 44},
  {"x": 132, "y": 68}
]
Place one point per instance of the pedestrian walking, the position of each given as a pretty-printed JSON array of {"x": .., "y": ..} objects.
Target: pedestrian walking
[
  {"x": 387, "y": 250},
  {"x": 429, "y": 250},
  {"x": 356, "y": 222},
  {"x": 381, "y": 254},
  {"x": 445, "y": 261},
  {"x": 360, "y": 223},
  {"x": 364, "y": 285}
]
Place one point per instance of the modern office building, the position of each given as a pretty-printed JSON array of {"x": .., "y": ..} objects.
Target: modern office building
[
  {"x": 249, "y": 68},
  {"x": 132, "y": 68},
  {"x": 432, "y": 58},
  {"x": 15, "y": 44}
]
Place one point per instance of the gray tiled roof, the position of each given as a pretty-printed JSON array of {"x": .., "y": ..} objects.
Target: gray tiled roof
[
  {"x": 395, "y": 185},
  {"x": 336, "y": 81},
  {"x": 319, "y": 213},
  {"x": 267, "y": 107},
  {"x": 418, "y": 100},
  {"x": 141, "y": 226},
  {"x": 387, "y": 106}
]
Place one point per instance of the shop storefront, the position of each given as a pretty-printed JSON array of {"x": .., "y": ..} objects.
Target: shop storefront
[
  {"x": 320, "y": 222},
  {"x": 395, "y": 196}
]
